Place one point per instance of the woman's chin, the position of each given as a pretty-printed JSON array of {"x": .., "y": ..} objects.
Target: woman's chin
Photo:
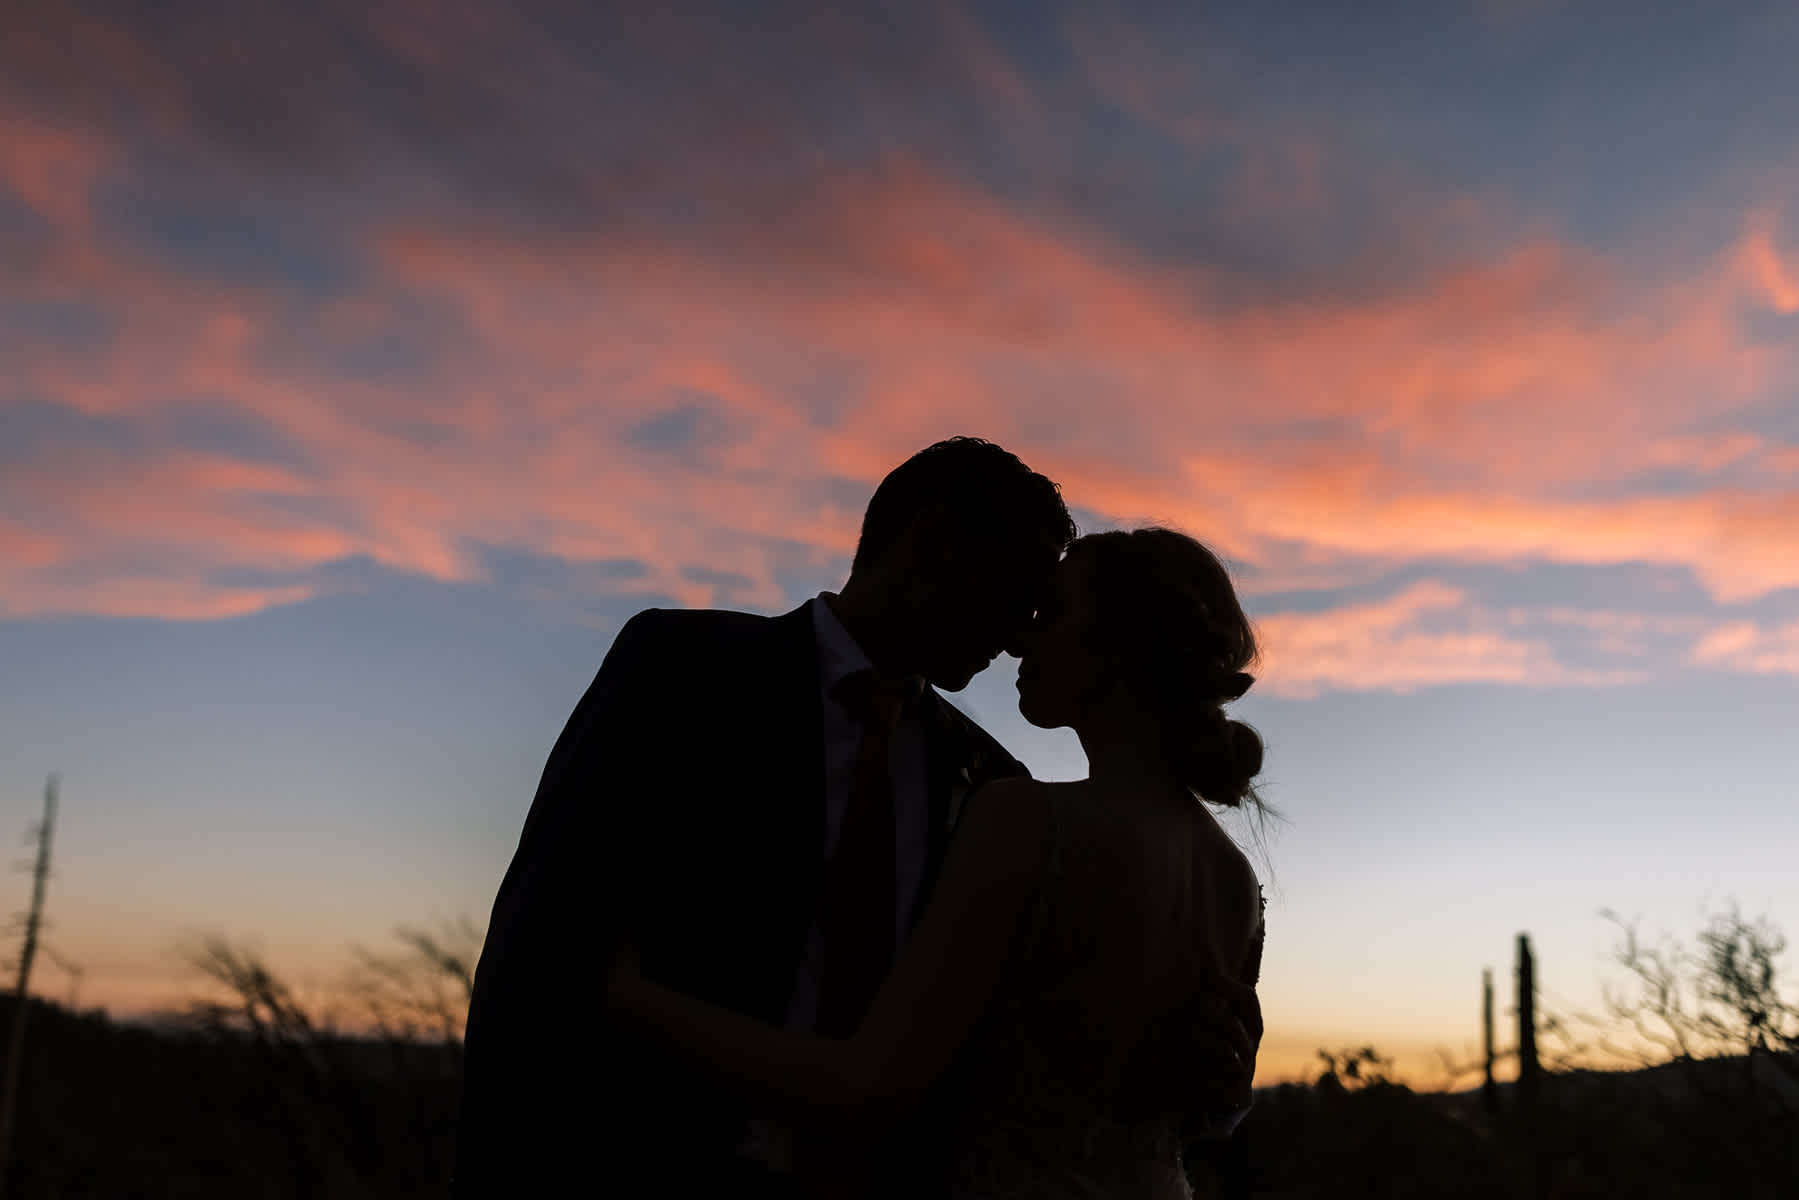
[{"x": 1033, "y": 714}]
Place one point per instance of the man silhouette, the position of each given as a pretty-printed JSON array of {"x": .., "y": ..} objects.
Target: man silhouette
[{"x": 694, "y": 804}]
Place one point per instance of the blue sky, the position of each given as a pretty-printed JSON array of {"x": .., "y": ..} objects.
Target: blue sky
[{"x": 365, "y": 371}]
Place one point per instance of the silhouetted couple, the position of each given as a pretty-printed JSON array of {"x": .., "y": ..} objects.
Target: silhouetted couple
[{"x": 784, "y": 922}]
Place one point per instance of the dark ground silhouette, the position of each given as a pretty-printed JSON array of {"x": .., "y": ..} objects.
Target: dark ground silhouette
[
  {"x": 117, "y": 1110},
  {"x": 251, "y": 1094}
]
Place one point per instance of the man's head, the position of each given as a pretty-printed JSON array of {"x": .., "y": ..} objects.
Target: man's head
[{"x": 957, "y": 546}]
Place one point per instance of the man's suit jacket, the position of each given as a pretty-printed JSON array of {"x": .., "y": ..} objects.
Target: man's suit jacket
[{"x": 683, "y": 808}]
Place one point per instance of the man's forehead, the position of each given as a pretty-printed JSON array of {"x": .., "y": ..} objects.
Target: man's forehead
[{"x": 1039, "y": 550}]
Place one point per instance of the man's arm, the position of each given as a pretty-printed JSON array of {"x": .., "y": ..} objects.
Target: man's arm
[
  {"x": 1225, "y": 1023},
  {"x": 576, "y": 851},
  {"x": 1225, "y": 1033},
  {"x": 556, "y": 916}
]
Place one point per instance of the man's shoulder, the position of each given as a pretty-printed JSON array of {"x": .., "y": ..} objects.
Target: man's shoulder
[
  {"x": 702, "y": 634},
  {"x": 698, "y": 622}
]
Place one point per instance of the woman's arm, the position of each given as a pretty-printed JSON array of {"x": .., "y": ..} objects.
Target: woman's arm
[{"x": 945, "y": 975}]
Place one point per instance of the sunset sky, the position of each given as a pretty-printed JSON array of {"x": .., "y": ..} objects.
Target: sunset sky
[{"x": 363, "y": 365}]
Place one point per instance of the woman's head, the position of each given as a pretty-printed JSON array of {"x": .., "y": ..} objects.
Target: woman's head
[{"x": 1154, "y": 613}]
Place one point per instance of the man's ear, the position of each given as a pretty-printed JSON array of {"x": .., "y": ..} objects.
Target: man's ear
[{"x": 933, "y": 535}]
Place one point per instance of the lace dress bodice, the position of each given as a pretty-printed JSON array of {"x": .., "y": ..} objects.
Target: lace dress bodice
[{"x": 1066, "y": 1072}]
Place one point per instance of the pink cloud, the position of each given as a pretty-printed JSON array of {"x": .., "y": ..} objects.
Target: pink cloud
[
  {"x": 1398, "y": 644},
  {"x": 1751, "y": 648},
  {"x": 177, "y": 599},
  {"x": 1770, "y": 270},
  {"x": 1493, "y": 410},
  {"x": 51, "y": 168},
  {"x": 28, "y": 548},
  {"x": 932, "y": 348}
]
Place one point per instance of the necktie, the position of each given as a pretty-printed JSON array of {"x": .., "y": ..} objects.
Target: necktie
[
  {"x": 860, "y": 899},
  {"x": 858, "y": 914}
]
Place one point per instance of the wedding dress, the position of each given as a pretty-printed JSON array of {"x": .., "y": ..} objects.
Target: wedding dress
[{"x": 1075, "y": 1088}]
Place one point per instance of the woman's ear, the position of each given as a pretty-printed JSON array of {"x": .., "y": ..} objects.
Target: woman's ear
[{"x": 1114, "y": 666}]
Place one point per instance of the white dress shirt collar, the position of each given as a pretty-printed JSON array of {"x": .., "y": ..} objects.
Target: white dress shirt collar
[{"x": 839, "y": 655}]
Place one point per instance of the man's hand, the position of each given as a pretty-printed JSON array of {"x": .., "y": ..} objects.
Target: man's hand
[{"x": 1222, "y": 1038}]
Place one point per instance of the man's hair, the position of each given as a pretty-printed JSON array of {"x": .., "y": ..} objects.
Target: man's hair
[{"x": 990, "y": 495}]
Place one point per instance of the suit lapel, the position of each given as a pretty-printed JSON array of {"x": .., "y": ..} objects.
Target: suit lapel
[
  {"x": 949, "y": 773},
  {"x": 960, "y": 758},
  {"x": 792, "y": 718}
]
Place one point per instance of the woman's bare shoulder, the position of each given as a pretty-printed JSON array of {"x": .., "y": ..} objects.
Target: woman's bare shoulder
[
  {"x": 1234, "y": 876},
  {"x": 1229, "y": 893}
]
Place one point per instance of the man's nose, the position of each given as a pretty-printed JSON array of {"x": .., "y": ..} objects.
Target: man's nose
[{"x": 1019, "y": 643}]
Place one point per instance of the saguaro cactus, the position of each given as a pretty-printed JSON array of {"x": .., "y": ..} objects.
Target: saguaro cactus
[
  {"x": 1489, "y": 1088},
  {"x": 1529, "y": 1070}
]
